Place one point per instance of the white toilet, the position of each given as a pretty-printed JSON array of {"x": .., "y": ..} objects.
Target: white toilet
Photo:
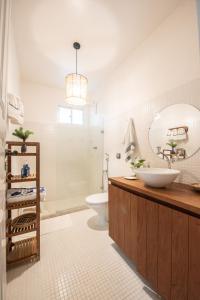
[{"x": 99, "y": 202}]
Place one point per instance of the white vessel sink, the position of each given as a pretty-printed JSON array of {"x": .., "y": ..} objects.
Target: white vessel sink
[{"x": 157, "y": 177}]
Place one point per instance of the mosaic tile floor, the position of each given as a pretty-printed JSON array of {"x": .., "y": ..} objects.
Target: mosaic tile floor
[{"x": 78, "y": 262}]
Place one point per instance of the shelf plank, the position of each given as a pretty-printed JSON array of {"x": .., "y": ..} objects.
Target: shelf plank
[
  {"x": 13, "y": 143},
  {"x": 21, "y": 204},
  {"x": 23, "y": 154},
  {"x": 16, "y": 179}
]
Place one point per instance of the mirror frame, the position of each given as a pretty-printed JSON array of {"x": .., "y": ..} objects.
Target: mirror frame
[{"x": 159, "y": 111}]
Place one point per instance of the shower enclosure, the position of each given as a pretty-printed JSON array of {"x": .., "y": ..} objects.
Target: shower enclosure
[{"x": 71, "y": 158}]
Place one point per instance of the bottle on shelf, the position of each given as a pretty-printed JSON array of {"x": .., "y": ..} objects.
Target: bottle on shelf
[{"x": 25, "y": 171}]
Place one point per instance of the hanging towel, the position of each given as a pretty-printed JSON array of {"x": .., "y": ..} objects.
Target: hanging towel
[{"x": 129, "y": 141}]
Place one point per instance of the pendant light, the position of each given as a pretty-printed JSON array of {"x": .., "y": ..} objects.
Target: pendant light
[{"x": 76, "y": 85}]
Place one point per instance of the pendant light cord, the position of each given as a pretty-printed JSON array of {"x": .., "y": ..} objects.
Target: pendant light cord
[{"x": 76, "y": 46}]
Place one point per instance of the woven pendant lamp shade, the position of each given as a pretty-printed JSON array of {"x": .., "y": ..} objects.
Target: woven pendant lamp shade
[
  {"x": 76, "y": 85},
  {"x": 76, "y": 89}
]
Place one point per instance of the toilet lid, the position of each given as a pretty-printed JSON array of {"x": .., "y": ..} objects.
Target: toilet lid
[{"x": 97, "y": 198}]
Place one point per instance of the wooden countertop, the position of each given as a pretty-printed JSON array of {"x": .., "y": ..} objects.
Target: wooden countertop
[{"x": 176, "y": 194}]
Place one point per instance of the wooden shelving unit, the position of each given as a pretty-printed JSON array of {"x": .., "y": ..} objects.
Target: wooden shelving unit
[{"x": 23, "y": 249}]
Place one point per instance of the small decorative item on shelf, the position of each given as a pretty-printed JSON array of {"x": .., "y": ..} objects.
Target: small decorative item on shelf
[
  {"x": 9, "y": 152},
  {"x": 22, "y": 134},
  {"x": 25, "y": 171}
]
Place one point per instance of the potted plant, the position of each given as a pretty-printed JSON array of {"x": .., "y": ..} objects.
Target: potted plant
[
  {"x": 22, "y": 134},
  {"x": 173, "y": 145},
  {"x": 137, "y": 163}
]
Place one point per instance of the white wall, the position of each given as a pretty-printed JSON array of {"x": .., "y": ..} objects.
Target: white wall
[
  {"x": 13, "y": 73},
  {"x": 13, "y": 84},
  {"x": 163, "y": 70}
]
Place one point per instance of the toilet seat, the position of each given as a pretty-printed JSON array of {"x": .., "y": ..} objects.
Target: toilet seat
[{"x": 96, "y": 199}]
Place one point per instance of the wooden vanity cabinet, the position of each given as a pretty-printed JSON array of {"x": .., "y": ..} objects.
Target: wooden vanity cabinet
[
  {"x": 194, "y": 259},
  {"x": 164, "y": 243}
]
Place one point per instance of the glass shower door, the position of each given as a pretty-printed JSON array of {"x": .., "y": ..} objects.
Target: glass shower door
[{"x": 79, "y": 152}]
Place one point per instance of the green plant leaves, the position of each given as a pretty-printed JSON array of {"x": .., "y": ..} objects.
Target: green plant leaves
[
  {"x": 172, "y": 144},
  {"x": 22, "y": 134},
  {"x": 138, "y": 163}
]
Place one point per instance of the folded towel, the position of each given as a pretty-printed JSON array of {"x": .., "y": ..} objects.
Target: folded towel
[
  {"x": 20, "y": 194},
  {"x": 129, "y": 141}
]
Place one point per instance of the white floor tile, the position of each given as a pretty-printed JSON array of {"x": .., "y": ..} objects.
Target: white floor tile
[{"x": 77, "y": 263}]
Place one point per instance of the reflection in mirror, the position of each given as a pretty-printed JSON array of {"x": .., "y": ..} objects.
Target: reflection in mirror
[{"x": 175, "y": 132}]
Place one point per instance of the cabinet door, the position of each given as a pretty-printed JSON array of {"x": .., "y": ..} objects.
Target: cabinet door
[
  {"x": 179, "y": 280},
  {"x": 164, "y": 251},
  {"x": 124, "y": 221},
  {"x": 194, "y": 259},
  {"x": 123, "y": 198},
  {"x": 119, "y": 218},
  {"x": 172, "y": 254},
  {"x": 141, "y": 236},
  {"x": 113, "y": 211},
  {"x": 133, "y": 227},
  {"x": 152, "y": 243}
]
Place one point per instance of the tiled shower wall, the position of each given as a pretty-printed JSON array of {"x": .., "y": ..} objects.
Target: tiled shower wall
[
  {"x": 71, "y": 156},
  {"x": 143, "y": 114}
]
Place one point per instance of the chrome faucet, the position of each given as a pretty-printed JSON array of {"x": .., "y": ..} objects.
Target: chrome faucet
[{"x": 169, "y": 160}]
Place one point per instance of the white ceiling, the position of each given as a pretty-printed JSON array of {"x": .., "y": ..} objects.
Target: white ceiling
[{"x": 107, "y": 30}]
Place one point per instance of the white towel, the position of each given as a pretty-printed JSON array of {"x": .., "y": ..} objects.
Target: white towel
[{"x": 129, "y": 141}]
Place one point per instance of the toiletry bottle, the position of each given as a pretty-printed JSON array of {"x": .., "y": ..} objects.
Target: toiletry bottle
[
  {"x": 22, "y": 172},
  {"x": 28, "y": 170}
]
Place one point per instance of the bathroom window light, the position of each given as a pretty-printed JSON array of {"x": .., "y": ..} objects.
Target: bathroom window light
[{"x": 70, "y": 115}]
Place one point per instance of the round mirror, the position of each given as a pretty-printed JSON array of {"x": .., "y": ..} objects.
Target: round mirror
[{"x": 175, "y": 132}]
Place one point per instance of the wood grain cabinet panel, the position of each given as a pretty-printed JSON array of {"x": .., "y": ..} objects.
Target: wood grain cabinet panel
[
  {"x": 164, "y": 251},
  {"x": 112, "y": 211},
  {"x": 141, "y": 236},
  {"x": 124, "y": 221},
  {"x": 126, "y": 209},
  {"x": 164, "y": 243},
  {"x": 133, "y": 227},
  {"x": 119, "y": 218},
  {"x": 194, "y": 259},
  {"x": 152, "y": 243},
  {"x": 179, "y": 281}
]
